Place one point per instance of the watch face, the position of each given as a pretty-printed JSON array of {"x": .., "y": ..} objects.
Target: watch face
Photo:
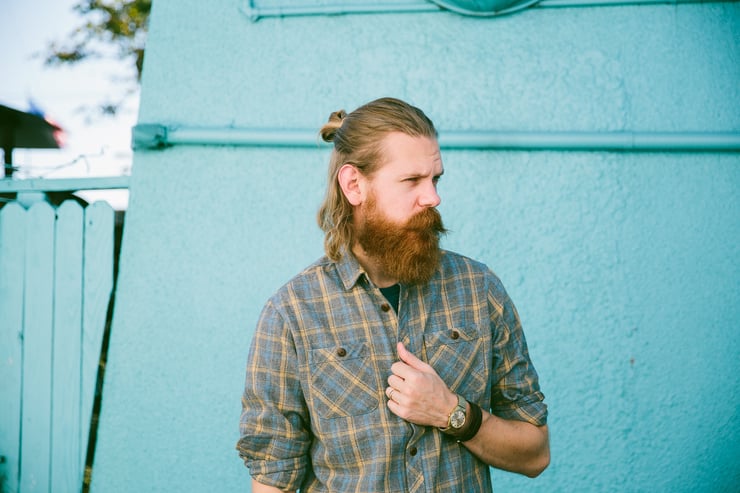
[{"x": 457, "y": 419}]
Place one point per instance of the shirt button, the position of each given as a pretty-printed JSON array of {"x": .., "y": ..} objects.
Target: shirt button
[
  {"x": 455, "y": 335},
  {"x": 413, "y": 451},
  {"x": 341, "y": 352},
  {"x": 385, "y": 307}
]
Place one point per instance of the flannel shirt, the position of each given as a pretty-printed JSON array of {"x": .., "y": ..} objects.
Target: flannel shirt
[{"x": 314, "y": 414}]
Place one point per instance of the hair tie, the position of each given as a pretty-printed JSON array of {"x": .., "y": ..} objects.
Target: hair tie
[{"x": 338, "y": 115}]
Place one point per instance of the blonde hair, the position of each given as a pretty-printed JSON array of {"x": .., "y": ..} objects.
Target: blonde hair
[{"x": 357, "y": 139}]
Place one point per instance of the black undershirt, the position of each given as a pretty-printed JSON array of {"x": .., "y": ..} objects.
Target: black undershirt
[{"x": 391, "y": 293}]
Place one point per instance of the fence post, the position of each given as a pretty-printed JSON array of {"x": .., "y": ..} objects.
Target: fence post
[
  {"x": 12, "y": 266},
  {"x": 98, "y": 284},
  {"x": 66, "y": 468},
  {"x": 37, "y": 349}
]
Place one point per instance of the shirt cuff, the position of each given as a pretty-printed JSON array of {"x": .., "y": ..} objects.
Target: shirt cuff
[
  {"x": 531, "y": 409},
  {"x": 285, "y": 474}
]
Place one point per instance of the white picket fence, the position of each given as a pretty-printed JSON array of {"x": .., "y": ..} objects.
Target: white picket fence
[{"x": 56, "y": 279}]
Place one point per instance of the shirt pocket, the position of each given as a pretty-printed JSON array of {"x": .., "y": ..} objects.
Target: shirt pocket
[
  {"x": 459, "y": 356},
  {"x": 343, "y": 381}
]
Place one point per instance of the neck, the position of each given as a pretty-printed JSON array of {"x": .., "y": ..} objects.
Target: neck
[{"x": 373, "y": 270}]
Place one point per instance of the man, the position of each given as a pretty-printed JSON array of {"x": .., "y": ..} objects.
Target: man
[{"x": 389, "y": 365}]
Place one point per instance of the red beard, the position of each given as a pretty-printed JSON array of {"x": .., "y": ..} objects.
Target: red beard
[{"x": 409, "y": 252}]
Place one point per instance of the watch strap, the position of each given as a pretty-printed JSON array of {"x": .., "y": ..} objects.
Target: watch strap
[{"x": 472, "y": 425}]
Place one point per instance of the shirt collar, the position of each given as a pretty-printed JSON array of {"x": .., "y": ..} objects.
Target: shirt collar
[{"x": 349, "y": 269}]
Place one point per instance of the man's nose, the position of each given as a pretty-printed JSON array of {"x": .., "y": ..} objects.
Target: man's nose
[{"x": 429, "y": 196}]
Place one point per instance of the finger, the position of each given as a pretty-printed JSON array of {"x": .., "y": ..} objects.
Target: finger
[
  {"x": 393, "y": 405},
  {"x": 393, "y": 395},
  {"x": 389, "y": 393},
  {"x": 402, "y": 372},
  {"x": 395, "y": 381},
  {"x": 411, "y": 360}
]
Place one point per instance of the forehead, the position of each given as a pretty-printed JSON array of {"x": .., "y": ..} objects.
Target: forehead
[{"x": 404, "y": 154}]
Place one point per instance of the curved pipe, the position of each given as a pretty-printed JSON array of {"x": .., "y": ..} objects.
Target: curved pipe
[
  {"x": 154, "y": 136},
  {"x": 498, "y": 7}
]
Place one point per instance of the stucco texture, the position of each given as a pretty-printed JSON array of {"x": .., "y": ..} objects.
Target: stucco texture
[{"x": 624, "y": 266}]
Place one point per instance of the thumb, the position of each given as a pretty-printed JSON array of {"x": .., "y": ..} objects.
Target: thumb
[{"x": 409, "y": 358}]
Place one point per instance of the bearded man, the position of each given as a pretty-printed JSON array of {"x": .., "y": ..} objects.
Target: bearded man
[{"x": 389, "y": 365}]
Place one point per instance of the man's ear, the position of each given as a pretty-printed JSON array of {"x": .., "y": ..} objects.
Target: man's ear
[{"x": 352, "y": 183}]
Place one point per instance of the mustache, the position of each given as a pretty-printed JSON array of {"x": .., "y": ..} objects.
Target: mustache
[{"x": 428, "y": 220}]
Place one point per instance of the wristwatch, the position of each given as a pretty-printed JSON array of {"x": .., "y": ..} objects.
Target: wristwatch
[{"x": 457, "y": 417}]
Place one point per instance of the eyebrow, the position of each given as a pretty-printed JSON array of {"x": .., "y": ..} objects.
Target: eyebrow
[{"x": 423, "y": 175}]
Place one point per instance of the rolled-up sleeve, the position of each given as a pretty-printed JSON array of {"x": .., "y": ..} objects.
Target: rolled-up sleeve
[
  {"x": 274, "y": 431},
  {"x": 516, "y": 390}
]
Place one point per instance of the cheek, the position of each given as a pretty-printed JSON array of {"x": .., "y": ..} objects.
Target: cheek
[
  {"x": 395, "y": 203},
  {"x": 398, "y": 211}
]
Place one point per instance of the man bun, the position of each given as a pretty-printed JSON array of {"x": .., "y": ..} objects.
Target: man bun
[{"x": 329, "y": 130}]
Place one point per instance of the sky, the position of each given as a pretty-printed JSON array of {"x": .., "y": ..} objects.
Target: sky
[{"x": 96, "y": 146}]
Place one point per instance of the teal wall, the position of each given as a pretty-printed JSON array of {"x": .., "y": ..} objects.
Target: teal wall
[{"x": 625, "y": 267}]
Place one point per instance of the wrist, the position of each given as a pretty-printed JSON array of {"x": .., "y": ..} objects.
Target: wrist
[
  {"x": 456, "y": 416},
  {"x": 464, "y": 421},
  {"x": 451, "y": 402},
  {"x": 472, "y": 423}
]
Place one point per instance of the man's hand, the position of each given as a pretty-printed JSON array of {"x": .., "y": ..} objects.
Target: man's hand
[{"x": 416, "y": 393}]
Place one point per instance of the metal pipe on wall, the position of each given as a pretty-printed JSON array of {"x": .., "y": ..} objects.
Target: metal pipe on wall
[
  {"x": 612, "y": 3},
  {"x": 65, "y": 184},
  {"x": 255, "y": 13},
  {"x": 155, "y": 136}
]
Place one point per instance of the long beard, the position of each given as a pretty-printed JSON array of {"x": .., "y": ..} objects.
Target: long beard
[{"x": 409, "y": 252}]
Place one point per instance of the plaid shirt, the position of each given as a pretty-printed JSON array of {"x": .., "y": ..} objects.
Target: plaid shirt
[{"x": 314, "y": 409}]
